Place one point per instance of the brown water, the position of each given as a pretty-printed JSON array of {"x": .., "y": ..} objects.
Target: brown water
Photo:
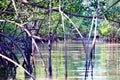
[{"x": 106, "y": 65}]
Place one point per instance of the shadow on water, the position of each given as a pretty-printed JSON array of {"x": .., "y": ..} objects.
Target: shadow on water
[{"x": 106, "y": 62}]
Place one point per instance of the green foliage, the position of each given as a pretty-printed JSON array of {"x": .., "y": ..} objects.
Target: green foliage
[
  {"x": 80, "y": 7},
  {"x": 73, "y": 6},
  {"x": 82, "y": 24},
  {"x": 118, "y": 32},
  {"x": 8, "y": 27},
  {"x": 3, "y": 2},
  {"x": 104, "y": 29},
  {"x": 60, "y": 30}
]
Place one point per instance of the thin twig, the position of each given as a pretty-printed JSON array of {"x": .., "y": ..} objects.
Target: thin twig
[
  {"x": 15, "y": 7},
  {"x": 112, "y": 5}
]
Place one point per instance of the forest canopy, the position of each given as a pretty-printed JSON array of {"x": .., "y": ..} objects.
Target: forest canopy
[{"x": 79, "y": 11}]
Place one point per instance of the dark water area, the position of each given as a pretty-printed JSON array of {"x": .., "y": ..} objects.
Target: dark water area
[{"x": 106, "y": 63}]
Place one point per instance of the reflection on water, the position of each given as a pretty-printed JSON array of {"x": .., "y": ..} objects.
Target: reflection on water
[{"x": 106, "y": 62}]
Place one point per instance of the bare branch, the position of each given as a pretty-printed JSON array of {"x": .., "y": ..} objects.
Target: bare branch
[{"x": 112, "y": 5}]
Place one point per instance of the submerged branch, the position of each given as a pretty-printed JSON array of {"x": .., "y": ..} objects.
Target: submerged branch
[
  {"x": 50, "y": 41},
  {"x": 43, "y": 62},
  {"x": 65, "y": 47},
  {"x": 5, "y": 57}
]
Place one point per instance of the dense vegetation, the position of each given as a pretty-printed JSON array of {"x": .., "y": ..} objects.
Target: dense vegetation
[{"x": 23, "y": 23}]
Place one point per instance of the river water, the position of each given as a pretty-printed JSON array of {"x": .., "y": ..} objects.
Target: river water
[{"x": 106, "y": 66}]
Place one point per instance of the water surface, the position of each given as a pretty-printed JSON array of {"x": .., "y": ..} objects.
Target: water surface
[{"x": 106, "y": 66}]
